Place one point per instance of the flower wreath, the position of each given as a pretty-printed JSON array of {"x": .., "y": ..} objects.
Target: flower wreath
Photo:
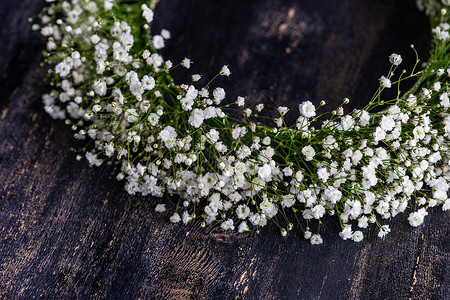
[{"x": 224, "y": 165}]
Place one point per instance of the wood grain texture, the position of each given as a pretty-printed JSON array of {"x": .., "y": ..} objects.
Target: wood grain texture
[{"x": 68, "y": 231}]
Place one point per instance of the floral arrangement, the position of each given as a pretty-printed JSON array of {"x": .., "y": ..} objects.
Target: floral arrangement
[{"x": 219, "y": 160}]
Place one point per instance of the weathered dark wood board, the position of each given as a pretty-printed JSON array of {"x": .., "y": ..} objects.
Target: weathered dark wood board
[{"x": 69, "y": 231}]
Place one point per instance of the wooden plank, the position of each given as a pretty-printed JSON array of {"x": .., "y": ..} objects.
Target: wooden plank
[{"x": 70, "y": 231}]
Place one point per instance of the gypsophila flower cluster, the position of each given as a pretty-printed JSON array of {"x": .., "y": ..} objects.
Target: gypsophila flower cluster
[{"x": 113, "y": 87}]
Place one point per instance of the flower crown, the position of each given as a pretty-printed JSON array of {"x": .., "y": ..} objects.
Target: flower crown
[{"x": 219, "y": 160}]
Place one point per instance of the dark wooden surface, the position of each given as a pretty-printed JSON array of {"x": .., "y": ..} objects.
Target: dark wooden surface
[{"x": 70, "y": 231}]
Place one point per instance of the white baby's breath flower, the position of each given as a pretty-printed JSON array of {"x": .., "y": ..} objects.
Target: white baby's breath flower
[
  {"x": 346, "y": 233},
  {"x": 186, "y": 63},
  {"x": 99, "y": 87},
  {"x": 175, "y": 218},
  {"x": 323, "y": 174},
  {"x": 363, "y": 222},
  {"x": 243, "y": 227},
  {"x": 120, "y": 54},
  {"x": 227, "y": 225},
  {"x": 197, "y": 117},
  {"x": 357, "y": 236},
  {"x": 165, "y": 34},
  {"x": 395, "y": 59},
  {"x": 108, "y": 4},
  {"x": 282, "y": 110},
  {"x": 220, "y": 147},
  {"x": 168, "y": 136},
  {"x": 240, "y": 168},
  {"x": 259, "y": 107},
  {"x": 316, "y": 239},
  {"x": 225, "y": 71},
  {"x": 419, "y": 133},
  {"x": 307, "y": 109},
  {"x": 307, "y": 234},
  {"x": 318, "y": 211},
  {"x": 288, "y": 200},
  {"x": 347, "y": 122},
  {"x": 384, "y": 230},
  {"x": 158, "y": 42},
  {"x": 92, "y": 159},
  {"x": 168, "y": 65},
  {"x": 446, "y": 205},
  {"x": 332, "y": 194},
  {"x": 444, "y": 100},
  {"x": 160, "y": 208},
  {"x": 364, "y": 118},
  {"x": 109, "y": 150},
  {"x": 153, "y": 119},
  {"x": 147, "y": 13},
  {"x": 131, "y": 115},
  {"x": 213, "y": 136},
  {"x": 219, "y": 94},
  {"x": 287, "y": 171},
  {"x": 266, "y": 140},
  {"x": 437, "y": 86},
  {"x": 148, "y": 82},
  {"x": 302, "y": 123},
  {"x": 265, "y": 172},
  {"x": 95, "y": 39},
  {"x": 240, "y": 101},
  {"x": 385, "y": 82},
  {"x": 379, "y": 134},
  {"x": 278, "y": 121},
  {"x": 416, "y": 218},
  {"x": 196, "y": 77},
  {"x": 137, "y": 89},
  {"x": 308, "y": 152},
  {"x": 387, "y": 123},
  {"x": 242, "y": 211}
]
